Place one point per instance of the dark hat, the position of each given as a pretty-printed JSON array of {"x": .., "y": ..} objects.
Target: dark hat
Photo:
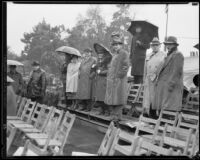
[
  {"x": 87, "y": 50},
  {"x": 35, "y": 63},
  {"x": 155, "y": 41},
  {"x": 12, "y": 66},
  {"x": 116, "y": 34},
  {"x": 116, "y": 38},
  {"x": 171, "y": 40}
]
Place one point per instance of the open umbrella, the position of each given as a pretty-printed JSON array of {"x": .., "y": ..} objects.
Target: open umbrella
[
  {"x": 100, "y": 49},
  {"x": 13, "y": 62},
  {"x": 68, "y": 50},
  {"x": 147, "y": 27},
  {"x": 196, "y": 46}
]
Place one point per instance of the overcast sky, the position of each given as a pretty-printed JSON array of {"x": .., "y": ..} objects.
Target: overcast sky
[{"x": 183, "y": 20}]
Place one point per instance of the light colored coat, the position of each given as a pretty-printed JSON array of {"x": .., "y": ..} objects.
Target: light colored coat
[
  {"x": 116, "y": 88},
  {"x": 11, "y": 102},
  {"x": 153, "y": 63},
  {"x": 169, "y": 84},
  {"x": 72, "y": 77}
]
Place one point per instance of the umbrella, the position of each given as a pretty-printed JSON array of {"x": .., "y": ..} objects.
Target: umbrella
[
  {"x": 13, "y": 62},
  {"x": 196, "y": 46},
  {"x": 147, "y": 27},
  {"x": 100, "y": 49},
  {"x": 68, "y": 50},
  {"x": 9, "y": 79}
]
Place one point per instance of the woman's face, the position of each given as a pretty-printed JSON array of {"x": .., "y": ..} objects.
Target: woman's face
[
  {"x": 116, "y": 47},
  {"x": 86, "y": 54},
  {"x": 74, "y": 59}
]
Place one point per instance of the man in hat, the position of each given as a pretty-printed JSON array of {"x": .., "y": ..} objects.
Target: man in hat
[
  {"x": 84, "y": 94},
  {"x": 37, "y": 84},
  {"x": 18, "y": 80},
  {"x": 116, "y": 88},
  {"x": 140, "y": 43},
  {"x": 169, "y": 82},
  {"x": 153, "y": 63}
]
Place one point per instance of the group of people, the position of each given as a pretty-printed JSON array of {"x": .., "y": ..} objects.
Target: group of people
[
  {"x": 35, "y": 89},
  {"x": 104, "y": 80}
]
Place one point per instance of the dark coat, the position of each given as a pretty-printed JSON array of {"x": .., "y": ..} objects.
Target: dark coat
[
  {"x": 37, "y": 84},
  {"x": 11, "y": 102},
  {"x": 100, "y": 80},
  {"x": 169, "y": 83},
  {"x": 138, "y": 54},
  {"x": 116, "y": 88},
  {"x": 84, "y": 82},
  {"x": 18, "y": 82}
]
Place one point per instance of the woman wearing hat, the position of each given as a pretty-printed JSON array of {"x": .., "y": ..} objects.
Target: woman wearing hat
[
  {"x": 116, "y": 88},
  {"x": 153, "y": 62},
  {"x": 84, "y": 94},
  {"x": 169, "y": 83}
]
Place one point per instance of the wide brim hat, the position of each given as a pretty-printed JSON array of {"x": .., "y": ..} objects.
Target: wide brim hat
[
  {"x": 35, "y": 63},
  {"x": 155, "y": 41},
  {"x": 171, "y": 40},
  {"x": 87, "y": 50}
]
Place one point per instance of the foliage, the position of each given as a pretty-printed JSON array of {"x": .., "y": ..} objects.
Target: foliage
[
  {"x": 11, "y": 55},
  {"x": 41, "y": 44}
]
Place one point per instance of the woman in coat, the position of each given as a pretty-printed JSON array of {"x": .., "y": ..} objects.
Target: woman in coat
[
  {"x": 153, "y": 62},
  {"x": 116, "y": 88},
  {"x": 84, "y": 82},
  {"x": 100, "y": 79},
  {"x": 169, "y": 83}
]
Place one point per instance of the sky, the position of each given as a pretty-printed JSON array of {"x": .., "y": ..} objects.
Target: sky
[{"x": 183, "y": 20}]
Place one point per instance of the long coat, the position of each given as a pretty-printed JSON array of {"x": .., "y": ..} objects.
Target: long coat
[
  {"x": 37, "y": 84},
  {"x": 138, "y": 54},
  {"x": 11, "y": 102},
  {"x": 153, "y": 63},
  {"x": 72, "y": 77},
  {"x": 84, "y": 82},
  {"x": 169, "y": 83},
  {"x": 116, "y": 88},
  {"x": 100, "y": 80}
]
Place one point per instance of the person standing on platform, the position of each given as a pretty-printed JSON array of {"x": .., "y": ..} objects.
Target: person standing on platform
[
  {"x": 140, "y": 43},
  {"x": 85, "y": 83},
  {"x": 153, "y": 63},
  {"x": 116, "y": 88},
  {"x": 36, "y": 87},
  {"x": 63, "y": 70},
  {"x": 169, "y": 83},
  {"x": 100, "y": 78}
]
